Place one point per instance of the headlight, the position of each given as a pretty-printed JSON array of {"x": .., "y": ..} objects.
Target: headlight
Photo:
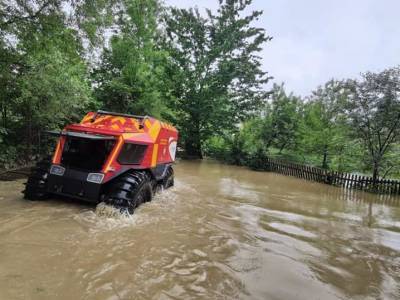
[
  {"x": 95, "y": 177},
  {"x": 57, "y": 170}
]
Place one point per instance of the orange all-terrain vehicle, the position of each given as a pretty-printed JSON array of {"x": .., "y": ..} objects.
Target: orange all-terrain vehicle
[{"x": 115, "y": 158}]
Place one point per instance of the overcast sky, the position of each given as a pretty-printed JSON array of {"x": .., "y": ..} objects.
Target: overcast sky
[{"x": 316, "y": 40}]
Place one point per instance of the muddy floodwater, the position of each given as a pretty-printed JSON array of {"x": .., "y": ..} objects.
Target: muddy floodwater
[{"x": 222, "y": 232}]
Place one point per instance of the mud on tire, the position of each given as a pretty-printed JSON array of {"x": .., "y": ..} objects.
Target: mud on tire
[
  {"x": 130, "y": 190},
  {"x": 36, "y": 186}
]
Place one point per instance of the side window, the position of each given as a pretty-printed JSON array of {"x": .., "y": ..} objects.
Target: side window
[{"x": 131, "y": 154}]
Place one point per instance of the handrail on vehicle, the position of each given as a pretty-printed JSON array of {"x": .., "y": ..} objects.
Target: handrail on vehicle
[
  {"x": 104, "y": 112},
  {"x": 90, "y": 136}
]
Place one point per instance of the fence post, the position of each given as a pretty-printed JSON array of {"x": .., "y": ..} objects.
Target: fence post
[
  {"x": 351, "y": 181},
  {"x": 397, "y": 187},
  {"x": 356, "y": 181},
  {"x": 299, "y": 171},
  {"x": 348, "y": 176},
  {"x": 390, "y": 189}
]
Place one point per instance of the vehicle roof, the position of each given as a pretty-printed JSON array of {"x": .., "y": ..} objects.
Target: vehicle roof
[{"x": 116, "y": 124}]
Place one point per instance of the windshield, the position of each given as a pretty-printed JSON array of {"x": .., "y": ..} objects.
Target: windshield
[{"x": 86, "y": 154}]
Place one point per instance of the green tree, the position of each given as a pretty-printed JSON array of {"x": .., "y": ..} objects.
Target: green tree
[
  {"x": 53, "y": 92},
  {"x": 322, "y": 130},
  {"x": 43, "y": 72},
  {"x": 281, "y": 120},
  {"x": 217, "y": 73},
  {"x": 132, "y": 75},
  {"x": 374, "y": 112}
]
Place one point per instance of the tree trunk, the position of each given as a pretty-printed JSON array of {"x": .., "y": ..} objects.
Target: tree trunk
[
  {"x": 4, "y": 117},
  {"x": 29, "y": 139},
  {"x": 325, "y": 158},
  {"x": 193, "y": 142},
  {"x": 375, "y": 173}
]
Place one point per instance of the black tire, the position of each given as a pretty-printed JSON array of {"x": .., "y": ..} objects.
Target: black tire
[
  {"x": 130, "y": 190},
  {"x": 36, "y": 186},
  {"x": 168, "y": 180}
]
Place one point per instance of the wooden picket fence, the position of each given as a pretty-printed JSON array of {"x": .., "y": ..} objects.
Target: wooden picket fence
[{"x": 351, "y": 181}]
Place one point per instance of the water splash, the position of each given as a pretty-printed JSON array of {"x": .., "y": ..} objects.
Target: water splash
[
  {"x": 109, "y": 211},
  {"x": 106, "y": 217}
]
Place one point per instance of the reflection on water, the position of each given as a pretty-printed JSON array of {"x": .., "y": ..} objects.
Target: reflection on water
[{"x": 222, "y": 232}]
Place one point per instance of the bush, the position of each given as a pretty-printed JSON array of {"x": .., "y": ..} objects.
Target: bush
[
  {"x": 219, "y": 148},
  {"x": 258, "y": 160}
]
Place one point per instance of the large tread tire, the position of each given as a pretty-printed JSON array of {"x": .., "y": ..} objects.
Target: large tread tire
[
  {"x": 130, "y": 190},
  {"x": 36, "y": 186},
  {"x": 168, "y": 180}
]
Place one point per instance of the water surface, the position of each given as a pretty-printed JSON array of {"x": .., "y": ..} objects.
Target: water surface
[{"x": 222, "y": 232}]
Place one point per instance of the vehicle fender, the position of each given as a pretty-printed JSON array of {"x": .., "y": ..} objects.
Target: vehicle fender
[{"x": 159, "y": 171}]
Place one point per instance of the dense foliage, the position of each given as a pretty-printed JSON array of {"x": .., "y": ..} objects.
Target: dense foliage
[
  {"x": 200, "y": 70},
  {"x": 43, "y": 75},
  {"x": 349, "y": 125},
  {"x": 216, "y": 69},
  {"x": 132, "y": 75}
]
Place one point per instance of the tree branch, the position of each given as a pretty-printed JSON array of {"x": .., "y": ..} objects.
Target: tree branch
[
  {"x": 389, "y": 139},
  {"x": 25, "y": 18}
]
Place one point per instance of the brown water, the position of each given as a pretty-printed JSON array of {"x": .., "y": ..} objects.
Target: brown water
[{"x": 222, "y": 232}]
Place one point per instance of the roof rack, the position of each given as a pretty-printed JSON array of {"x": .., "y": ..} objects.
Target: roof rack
[
  {"x": 103, "y": 112},
  {"x": 79, "y": 135}
]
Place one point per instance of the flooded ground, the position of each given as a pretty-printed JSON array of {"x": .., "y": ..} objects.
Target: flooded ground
[{"x": 222, "y": 232}]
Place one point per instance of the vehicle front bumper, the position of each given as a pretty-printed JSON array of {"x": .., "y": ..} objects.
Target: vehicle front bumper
[{"x": 74, "y": 184}]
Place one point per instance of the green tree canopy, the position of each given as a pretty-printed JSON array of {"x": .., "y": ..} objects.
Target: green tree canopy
[
  {"x": 322, "y": 130},
  {"x": 43, "y": 72},
  {"x": 374, "y": 112},
  {"x": 281, "y": 119},
  {"x": 217, "y": 72},
  {"x": 132, "y": 75}
]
